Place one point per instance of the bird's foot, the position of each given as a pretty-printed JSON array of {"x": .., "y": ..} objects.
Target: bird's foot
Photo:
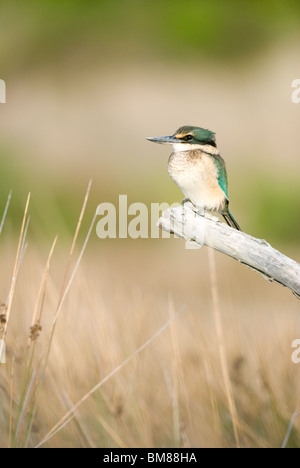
[
  {"x": 199, "y": 210},
  {"x": 186, "y": 200},
  {"x": 187, "y": 204},
  {"x": 211, "y": 216}
]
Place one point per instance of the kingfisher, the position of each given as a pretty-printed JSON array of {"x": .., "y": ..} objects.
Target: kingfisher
[{"x": 199, "y": 170}]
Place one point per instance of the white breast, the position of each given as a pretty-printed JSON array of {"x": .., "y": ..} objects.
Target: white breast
[
  {"x": 197, "y": 178},
  {"x": 178, "y": 147}
]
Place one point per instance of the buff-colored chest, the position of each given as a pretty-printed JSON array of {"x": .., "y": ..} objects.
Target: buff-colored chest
[{"x": 196, "y": 175}]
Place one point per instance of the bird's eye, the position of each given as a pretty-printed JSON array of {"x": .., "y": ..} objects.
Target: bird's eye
[{"x": 188, "y": 137}]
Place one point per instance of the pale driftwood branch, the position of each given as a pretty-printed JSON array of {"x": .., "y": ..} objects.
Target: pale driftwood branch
[{"x": 200, "y": 229}]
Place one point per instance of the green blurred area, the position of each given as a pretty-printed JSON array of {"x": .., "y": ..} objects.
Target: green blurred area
[
  {"x": 65, "y": 37},
  {"x": 50, "y": 31},
  {"x": 265, "y": 204}
]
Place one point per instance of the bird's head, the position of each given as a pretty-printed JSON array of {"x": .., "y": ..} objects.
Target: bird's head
[{"x": 187, "y": 137}]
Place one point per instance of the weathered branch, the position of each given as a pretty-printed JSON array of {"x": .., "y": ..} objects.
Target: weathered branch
[{"x": 199, "y": 229}]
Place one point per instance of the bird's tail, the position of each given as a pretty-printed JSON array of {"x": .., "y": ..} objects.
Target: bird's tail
[{"x": 230, "y": 220}]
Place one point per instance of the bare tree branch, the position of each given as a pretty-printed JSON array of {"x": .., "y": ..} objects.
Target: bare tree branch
[{"x": 200, "y": 229}]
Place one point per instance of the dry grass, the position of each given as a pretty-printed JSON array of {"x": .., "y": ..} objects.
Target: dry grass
[{"x": 166, "y": 392}]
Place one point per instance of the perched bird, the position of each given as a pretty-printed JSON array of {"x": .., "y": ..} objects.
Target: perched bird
[{"x": 199, "y": 170}]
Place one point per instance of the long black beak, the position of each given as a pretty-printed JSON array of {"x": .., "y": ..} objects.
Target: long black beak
[{"x": 164, "y": 140}]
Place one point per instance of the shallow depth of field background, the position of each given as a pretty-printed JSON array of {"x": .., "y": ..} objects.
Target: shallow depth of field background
[{"x": 86, "y": 83}]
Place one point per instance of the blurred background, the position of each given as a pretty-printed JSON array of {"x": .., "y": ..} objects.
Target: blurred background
[{"x": 86, "y": 82}]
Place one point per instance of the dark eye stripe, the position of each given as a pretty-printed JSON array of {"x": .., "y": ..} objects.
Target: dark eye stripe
[{"x": 188, "y": 137}]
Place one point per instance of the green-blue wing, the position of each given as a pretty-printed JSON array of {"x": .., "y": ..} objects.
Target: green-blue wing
[{"x": 222, "y": 175}]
